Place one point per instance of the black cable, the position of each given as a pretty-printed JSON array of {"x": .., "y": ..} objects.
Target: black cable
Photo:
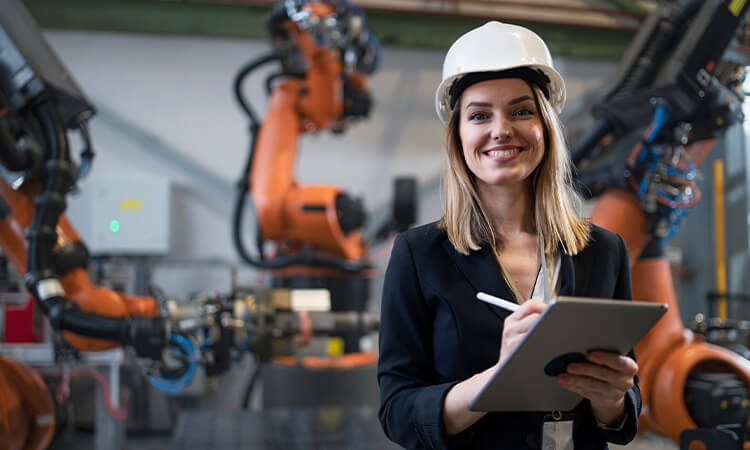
[
  {"x": 12, "y": 157},
  {"x": 87, "y": 154},
  {"x": 243, "y": 186},
  {"x": 279, "y": 262},
  {"x": 274, "y": 76},
  {"x": 50, "y": 202},
  {"x": 147, "y": 335},
  {"x": 240, "y": 78},
  {"x": 251, "y": 384}
]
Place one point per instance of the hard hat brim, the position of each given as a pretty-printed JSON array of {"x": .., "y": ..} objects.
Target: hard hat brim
[{"x": 556, "y": 89}]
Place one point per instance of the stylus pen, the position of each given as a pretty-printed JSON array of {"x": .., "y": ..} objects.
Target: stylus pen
[{"x": 505, "y": 304}]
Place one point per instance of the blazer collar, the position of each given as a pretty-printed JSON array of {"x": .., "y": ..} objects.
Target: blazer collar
[
  {"x": 480, "y": 269},
  {"x": 567, "y": 275}
]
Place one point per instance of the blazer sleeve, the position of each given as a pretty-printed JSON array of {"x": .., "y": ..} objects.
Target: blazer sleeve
[
  {"x": 411, "y": 396},
  {"x": 633, "y": 396}
]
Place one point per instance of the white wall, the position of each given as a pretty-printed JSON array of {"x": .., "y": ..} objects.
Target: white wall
[{"x": 167, "y": 110}]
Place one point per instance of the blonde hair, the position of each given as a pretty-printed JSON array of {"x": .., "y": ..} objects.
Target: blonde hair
[{"x": 555, "y": 200}]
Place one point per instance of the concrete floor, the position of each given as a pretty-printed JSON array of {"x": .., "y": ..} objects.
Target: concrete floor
[
  {"x": 83, "y": 441},
  {"x": 230, "y": 387},
  {"x": 648, "y": 442}
]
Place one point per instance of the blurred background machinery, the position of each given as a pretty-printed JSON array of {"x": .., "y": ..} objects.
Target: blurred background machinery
[{"x": 278, "y": 346}]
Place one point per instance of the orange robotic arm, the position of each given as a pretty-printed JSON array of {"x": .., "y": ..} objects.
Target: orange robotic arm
[
  {"x": 668, "y": 354},
  {"x": 39, "y": 104},
  {"x": 322, "y": 88},
  {"x": 643, "y": 197}
]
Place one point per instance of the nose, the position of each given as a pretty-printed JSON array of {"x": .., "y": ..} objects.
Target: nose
[{"x": 502, "y": 129}]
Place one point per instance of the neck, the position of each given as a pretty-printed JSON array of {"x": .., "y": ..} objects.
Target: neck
[{"x": 509, "y": 208}]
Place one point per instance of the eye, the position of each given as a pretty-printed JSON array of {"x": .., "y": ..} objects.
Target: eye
[
  {"x": 522, "y": 112},
  {"x": 477, "y": 115}
]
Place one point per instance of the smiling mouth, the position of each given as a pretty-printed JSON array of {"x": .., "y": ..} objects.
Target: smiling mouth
[{"x": 503, "y": 153}]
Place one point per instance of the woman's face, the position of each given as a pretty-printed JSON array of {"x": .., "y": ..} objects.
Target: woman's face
[{"x": 501, "y": 131}]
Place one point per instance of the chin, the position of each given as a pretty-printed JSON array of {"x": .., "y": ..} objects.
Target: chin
[{"x": 503, "y": 181}]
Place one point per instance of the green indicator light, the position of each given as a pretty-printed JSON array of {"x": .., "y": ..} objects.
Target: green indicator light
[{"x": 114, "y": 226}]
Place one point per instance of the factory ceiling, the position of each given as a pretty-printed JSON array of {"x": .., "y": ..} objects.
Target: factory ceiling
[{"x": 594, "y": 29}]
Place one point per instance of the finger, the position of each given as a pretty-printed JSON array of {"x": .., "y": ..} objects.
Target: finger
[
  {"x": 527, "y": 308},
  {"x": 521, "y": 326},
  {"x": 601, "y": 373},
  {"x": 530, "y": 307},
  {"x": 511, "y": 341},
  {"x": 596, "y": 390},
  {"x": 590, "y": 388},
  {"x": 620, "y": 363},
  {"x": 508, "y": 347}
]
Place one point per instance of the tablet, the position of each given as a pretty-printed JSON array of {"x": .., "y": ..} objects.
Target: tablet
[{"x": 567, "y": 329}]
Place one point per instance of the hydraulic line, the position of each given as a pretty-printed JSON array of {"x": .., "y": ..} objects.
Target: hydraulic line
[
  {"x": 12, "y": 157},
  {"x": 144, "y": 333}
]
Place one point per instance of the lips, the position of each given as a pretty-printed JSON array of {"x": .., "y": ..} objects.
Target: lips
[{"x": 503, "y": 153}]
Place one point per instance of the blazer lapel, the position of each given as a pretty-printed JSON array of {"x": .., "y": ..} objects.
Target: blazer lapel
[
  {"x": 567, "y": 275},
  {"x": 481, "y": 270}
]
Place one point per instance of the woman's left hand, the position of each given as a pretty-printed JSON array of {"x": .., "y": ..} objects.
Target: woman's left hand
[{"x": 603, "y": 380}]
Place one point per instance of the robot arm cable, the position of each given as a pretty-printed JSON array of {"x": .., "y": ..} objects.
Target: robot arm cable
[
  {"x": 145, "y": 334},
  {"x": 240, "y": 78},
  {"x": 244, "y": 184}
]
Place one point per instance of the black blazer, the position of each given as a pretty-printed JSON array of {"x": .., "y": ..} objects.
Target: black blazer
[{"x": 434, "y": 334}]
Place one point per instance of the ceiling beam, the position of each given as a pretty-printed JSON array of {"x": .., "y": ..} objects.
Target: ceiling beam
[{"x": 239, "y": 19}]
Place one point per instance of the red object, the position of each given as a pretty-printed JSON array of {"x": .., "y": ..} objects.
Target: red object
[{"x": 18, "y": 323}]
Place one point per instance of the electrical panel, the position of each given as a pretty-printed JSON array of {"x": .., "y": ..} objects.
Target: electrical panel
[{"x": 122, "y": 215}]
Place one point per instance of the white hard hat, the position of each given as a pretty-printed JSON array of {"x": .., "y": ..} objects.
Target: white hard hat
[{"x": 494, "y": 47}]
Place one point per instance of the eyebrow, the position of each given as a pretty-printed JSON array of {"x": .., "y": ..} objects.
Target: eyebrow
[
  {"x": 517, "y": 100},
  {"x": 520, "y": 99}
]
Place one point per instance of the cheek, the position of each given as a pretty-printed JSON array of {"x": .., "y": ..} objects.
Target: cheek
[
  {"x": 537, "y": 135},
  {"x": 464, "y": 137},
  {"x": 468, "y": 144},
  {"x": 471, "y": 140}
]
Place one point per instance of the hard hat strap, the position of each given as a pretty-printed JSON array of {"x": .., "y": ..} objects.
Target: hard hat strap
[{"x": 535, "y": 76}]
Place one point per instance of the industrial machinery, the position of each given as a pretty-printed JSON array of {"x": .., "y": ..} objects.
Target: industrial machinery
[
  {"x": 40, "y": 104},
  {"x": 311, "y": 236},
  {"x": 673, "y": 97}
]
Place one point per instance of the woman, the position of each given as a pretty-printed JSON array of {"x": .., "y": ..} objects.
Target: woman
[{"x": 509, "y": 228}]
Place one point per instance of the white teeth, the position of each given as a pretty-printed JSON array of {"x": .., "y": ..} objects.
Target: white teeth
[{"x": 501, "y": 153}]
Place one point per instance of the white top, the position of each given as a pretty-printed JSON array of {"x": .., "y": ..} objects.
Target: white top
[{"x": 539, "y": 285}]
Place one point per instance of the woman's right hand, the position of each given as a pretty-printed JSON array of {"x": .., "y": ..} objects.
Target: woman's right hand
[{"x": 517, "y": 325}]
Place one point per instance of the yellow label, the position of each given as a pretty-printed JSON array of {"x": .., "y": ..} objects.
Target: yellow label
[
  {"x": 131, "y": 204},
  {"x": 736, "y": 6},
  {"x": 335, "y": 347}
]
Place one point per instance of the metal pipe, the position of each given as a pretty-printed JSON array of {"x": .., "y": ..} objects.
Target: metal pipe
[
  {"x": 453, "y": 9},
  {"x": 721, "y": 269}
]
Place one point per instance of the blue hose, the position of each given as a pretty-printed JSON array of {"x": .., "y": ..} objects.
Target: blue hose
[{"x": 173, "y": 386}]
